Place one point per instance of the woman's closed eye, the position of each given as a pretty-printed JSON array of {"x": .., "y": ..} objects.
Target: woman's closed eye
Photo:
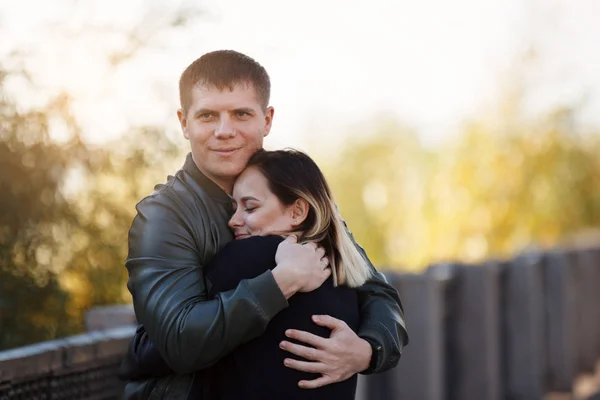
[{"x": 249, "y": 209}]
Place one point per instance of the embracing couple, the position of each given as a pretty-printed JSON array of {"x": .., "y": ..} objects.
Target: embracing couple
[{"x": 245, "y": 280}]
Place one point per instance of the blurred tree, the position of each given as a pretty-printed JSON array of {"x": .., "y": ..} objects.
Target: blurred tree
[
  {"x": 66, "y": 207},
  {"x": 104, "y": 203},
  {"x": 500, "y": 188},
  {"x": 66, "y": 210},
  {"x": 32, "y": 303},
  {"x": 378, "y": 182},
  {"x": 501, "y": 185},
  {"x": 510, "y": 178}
]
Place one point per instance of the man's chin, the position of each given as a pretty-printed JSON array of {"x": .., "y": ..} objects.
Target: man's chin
[{"x": 229, "y": 173}]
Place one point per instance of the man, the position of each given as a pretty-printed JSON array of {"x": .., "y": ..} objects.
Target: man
[{"x": 225, "y": 115}]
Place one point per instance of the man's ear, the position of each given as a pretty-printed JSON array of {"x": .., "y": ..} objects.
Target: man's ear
[
  {"x": 269, "y": 113},
  {"x": 299, "y": 212},
  {"x": 183, "y": 122}
]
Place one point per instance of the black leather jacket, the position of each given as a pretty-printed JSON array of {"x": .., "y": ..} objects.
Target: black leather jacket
[{"x": 177, "y": 230}]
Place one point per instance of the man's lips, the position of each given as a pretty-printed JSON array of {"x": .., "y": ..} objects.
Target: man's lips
[{"x": 226, "y": 152}]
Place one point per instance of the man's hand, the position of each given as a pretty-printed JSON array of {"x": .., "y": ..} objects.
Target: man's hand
[
  {"x": 337, "y": 358},
  {"x": 300, "y": 267}
]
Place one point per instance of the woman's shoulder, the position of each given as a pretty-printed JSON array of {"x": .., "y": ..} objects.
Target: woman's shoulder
[
  {"x": 242, "y": 259},
  {"x": 254, "y": 243}
]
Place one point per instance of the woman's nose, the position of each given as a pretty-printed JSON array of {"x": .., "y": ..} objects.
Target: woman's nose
[{"x": 235, "y": 220}]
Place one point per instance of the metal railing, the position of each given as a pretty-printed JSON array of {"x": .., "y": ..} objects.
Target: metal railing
[{"x": 78, "y": 367}]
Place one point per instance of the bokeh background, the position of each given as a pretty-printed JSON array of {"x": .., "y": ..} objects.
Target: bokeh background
[{"x": 462, "y": 130}]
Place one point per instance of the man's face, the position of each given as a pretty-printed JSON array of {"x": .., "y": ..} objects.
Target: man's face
[{"x": 225, "y": 128}]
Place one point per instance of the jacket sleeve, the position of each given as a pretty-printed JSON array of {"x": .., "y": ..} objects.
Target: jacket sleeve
[
  {"x": 169, "y": 293},
  {"x": 142, "y": 360},
  {"x": 382, "y": 319}
]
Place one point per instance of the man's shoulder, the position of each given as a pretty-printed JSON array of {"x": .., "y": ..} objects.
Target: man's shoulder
[
  {"x": 172, "y": 204},
  {"x": 173, "y": 194}
]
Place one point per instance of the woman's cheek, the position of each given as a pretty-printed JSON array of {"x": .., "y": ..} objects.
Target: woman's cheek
[{"x": 250, "y": 223}]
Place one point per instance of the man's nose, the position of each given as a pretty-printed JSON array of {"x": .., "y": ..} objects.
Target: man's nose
[{"x": 225, "y": 129}]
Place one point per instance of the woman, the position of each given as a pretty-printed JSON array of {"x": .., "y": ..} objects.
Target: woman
[{"x": 280, "y": 193}]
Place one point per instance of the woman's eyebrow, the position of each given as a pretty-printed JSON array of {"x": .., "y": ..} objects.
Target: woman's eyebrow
[{"x": 246, "y": 198}]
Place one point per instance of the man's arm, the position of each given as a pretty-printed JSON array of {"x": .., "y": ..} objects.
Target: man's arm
[
  {"x": 170, "y": 296},
  {"x": 382, "y": 320},
  {"x": 375, "y": 348}
]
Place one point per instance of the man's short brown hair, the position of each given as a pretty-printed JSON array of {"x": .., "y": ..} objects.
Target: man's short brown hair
[{"x": 224, "y": 69}]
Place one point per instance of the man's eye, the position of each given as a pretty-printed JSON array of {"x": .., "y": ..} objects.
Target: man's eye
[
  {"x": 242, "y": 114},
  {"x": 205, "y": 116}
]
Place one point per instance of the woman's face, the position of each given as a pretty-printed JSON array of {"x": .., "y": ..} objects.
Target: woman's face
[{"x": 258, "y": 212}]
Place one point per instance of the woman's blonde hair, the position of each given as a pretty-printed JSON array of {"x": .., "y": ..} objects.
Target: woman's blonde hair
[{"x": 293, "y": 175}]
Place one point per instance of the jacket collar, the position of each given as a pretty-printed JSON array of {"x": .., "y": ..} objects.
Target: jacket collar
[{"x": 211, "y": 188}]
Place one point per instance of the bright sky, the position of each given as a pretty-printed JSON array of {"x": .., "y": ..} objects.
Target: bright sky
[{"x": 333, "y": 64}]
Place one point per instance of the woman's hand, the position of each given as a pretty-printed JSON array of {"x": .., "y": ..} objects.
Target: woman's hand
[
  {"x": 300, "y": 267},
  {"x": 336, "y": 358}
]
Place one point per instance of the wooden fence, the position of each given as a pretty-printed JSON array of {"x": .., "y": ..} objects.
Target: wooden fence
[{"x": 518, "y": 329}]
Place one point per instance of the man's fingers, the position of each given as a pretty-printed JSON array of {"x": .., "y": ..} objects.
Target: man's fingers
[
  {"x": 308, "y": 353},
  {"x": 305, "y": 366},
  {"x": 316, "y": 383},
  {"x": 329, "y": 322},
  {"x": 307, "y": 338}
]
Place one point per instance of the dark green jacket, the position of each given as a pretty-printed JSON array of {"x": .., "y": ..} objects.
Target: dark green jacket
[{"x": 177, "y": 230}]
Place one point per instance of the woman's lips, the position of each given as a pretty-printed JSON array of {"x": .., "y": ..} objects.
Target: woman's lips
[{"x": 239, "y": 236}]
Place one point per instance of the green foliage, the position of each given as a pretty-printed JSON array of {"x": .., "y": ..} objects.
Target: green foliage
[
  {"x": 32, "y": 303},
  {"x": 66, "y": 210},
  {"x": 536, "y": 183},
  {"x": 377, "y": 181},
  {"x": 502, "y": 184},
  {"x": 494, "y": 190}
]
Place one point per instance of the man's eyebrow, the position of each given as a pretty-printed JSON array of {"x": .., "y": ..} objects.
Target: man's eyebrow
[
  {"x": 203, "y": 111},
  {"x": 248, "y": 110}
]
